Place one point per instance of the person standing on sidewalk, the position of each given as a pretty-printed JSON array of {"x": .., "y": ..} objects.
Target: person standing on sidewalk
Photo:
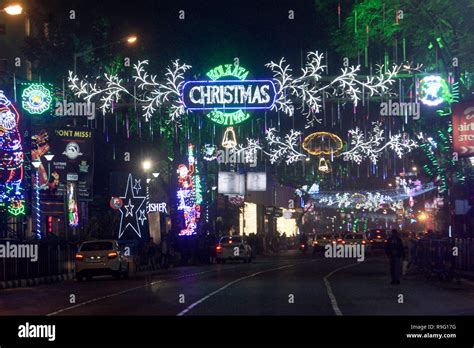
[
  {"x": 395, "y": 252},
  {"x": 164, "y": 251}
]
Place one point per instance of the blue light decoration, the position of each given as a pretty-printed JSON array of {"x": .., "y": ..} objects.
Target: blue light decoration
[
  {"x": 189, "y": 194},
  {"x": 11, "y": 159},
  {"x": 227, "y": 95}
]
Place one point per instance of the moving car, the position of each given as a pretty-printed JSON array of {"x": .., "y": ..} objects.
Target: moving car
[
  {"x": 377, "y": 238},
  {"x": 233, "y": 248},
  {"x": 357, "y": 239},
  {"x": 321, "y": 240},
  {"x": 100, "y": 257}
]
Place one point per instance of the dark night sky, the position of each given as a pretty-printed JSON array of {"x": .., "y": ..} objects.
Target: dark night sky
[{"x": 214, "y": 32}]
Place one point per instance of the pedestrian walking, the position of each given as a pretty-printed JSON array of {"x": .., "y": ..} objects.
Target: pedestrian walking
[{"x": 395, "y": 252}]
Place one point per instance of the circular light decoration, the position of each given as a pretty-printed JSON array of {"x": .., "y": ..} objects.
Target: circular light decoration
[
  {"x": 322, "y": 143},
  {"x": 36, "y": 99},
  {"x": 116, "y": 203},
  {"x": 209, "y": 152},
  {"x": 433, "y": 90},
  {"x": 358, "y": 198}
]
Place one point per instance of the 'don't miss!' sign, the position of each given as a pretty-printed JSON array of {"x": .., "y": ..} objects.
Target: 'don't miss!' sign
[{"x": 227, "y": 95}]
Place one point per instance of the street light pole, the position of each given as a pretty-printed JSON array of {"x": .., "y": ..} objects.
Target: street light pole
[
  {"x": 36, "y": 164},
  {"x": 130, "y": 39}
]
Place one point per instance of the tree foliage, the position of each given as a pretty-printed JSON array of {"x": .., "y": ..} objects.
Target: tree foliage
[{"x": 435, "y": 31}]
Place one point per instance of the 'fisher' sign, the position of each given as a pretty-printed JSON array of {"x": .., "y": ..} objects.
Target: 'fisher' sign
[{"x": 229, "y": 95}]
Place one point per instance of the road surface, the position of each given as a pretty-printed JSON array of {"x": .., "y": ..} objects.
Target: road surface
[{"x": 287, "y": 284}]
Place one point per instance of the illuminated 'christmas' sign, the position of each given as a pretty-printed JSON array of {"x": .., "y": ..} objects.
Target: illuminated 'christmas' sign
[{"x": 227, "y": 95}]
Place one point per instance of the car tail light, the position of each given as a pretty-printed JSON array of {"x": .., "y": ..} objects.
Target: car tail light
[
  {"x": 343, "y": 242},
  {"x": 112, "y": 255},
  {"x": 302, "y": 245},
  {"x": 79, "y": 257},
  {"x": 315, "y": 242},
  {"x": 363, "y": 242},
  {"x": 371, "y": 240},
  {"x": 219, "y": 248}
]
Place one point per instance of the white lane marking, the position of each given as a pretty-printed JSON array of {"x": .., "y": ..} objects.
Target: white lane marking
[
  {"x": 125, "y": 291},
  {"x": 334, "y": 305},
  {"x": 183, "y": 312}
]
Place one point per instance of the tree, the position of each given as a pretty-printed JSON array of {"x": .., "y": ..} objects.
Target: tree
[{"x": 434, "y": 31}]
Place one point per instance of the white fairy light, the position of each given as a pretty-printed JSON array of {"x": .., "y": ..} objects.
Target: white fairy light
[
  {"x": 374, "y": 144},
  {"x": 308, "y": 89},
  {"x": 283, "y": 148},
  {"x": 151, "y": 94}
]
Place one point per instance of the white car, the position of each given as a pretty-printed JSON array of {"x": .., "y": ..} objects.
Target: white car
[
  {"x": 100, "y": 257},
  {"x": 233, "y": 248}
]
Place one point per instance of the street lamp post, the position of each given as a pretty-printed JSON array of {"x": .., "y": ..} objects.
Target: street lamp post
[
  {"x": 49, "y": 157},
  {"x": 130, "y": 39},
  {"x": 12, "y": 10},
  {"x": 36, "y": 164}
]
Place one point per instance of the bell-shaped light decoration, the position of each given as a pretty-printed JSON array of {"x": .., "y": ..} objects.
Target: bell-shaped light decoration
[
  {"x": 230, "y": 140},
  {"x": 323, "y": 165}
]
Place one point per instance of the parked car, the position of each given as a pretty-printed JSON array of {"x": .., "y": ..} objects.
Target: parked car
[
  {"x": 233, "y": 248},
  {"x": 100, "y": 257}
]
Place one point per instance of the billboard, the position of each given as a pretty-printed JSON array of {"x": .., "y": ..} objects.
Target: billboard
[
  {"x": 257, "y": 181},
  {"x": 64, "y": 154},
  {"x": 463, "y": 129},
  {"x": 231, "y": 183}
]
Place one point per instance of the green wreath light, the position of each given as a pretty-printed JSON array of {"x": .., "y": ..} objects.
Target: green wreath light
[{"x": 36, "y": 99}]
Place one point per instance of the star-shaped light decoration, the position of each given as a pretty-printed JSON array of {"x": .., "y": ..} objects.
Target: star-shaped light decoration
[
  {"x": 130, "y": 213},
  {"x": 137, "y": 187},
  {"x": 129, "y": 208},
  {"x": 142, "y": 217}
]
